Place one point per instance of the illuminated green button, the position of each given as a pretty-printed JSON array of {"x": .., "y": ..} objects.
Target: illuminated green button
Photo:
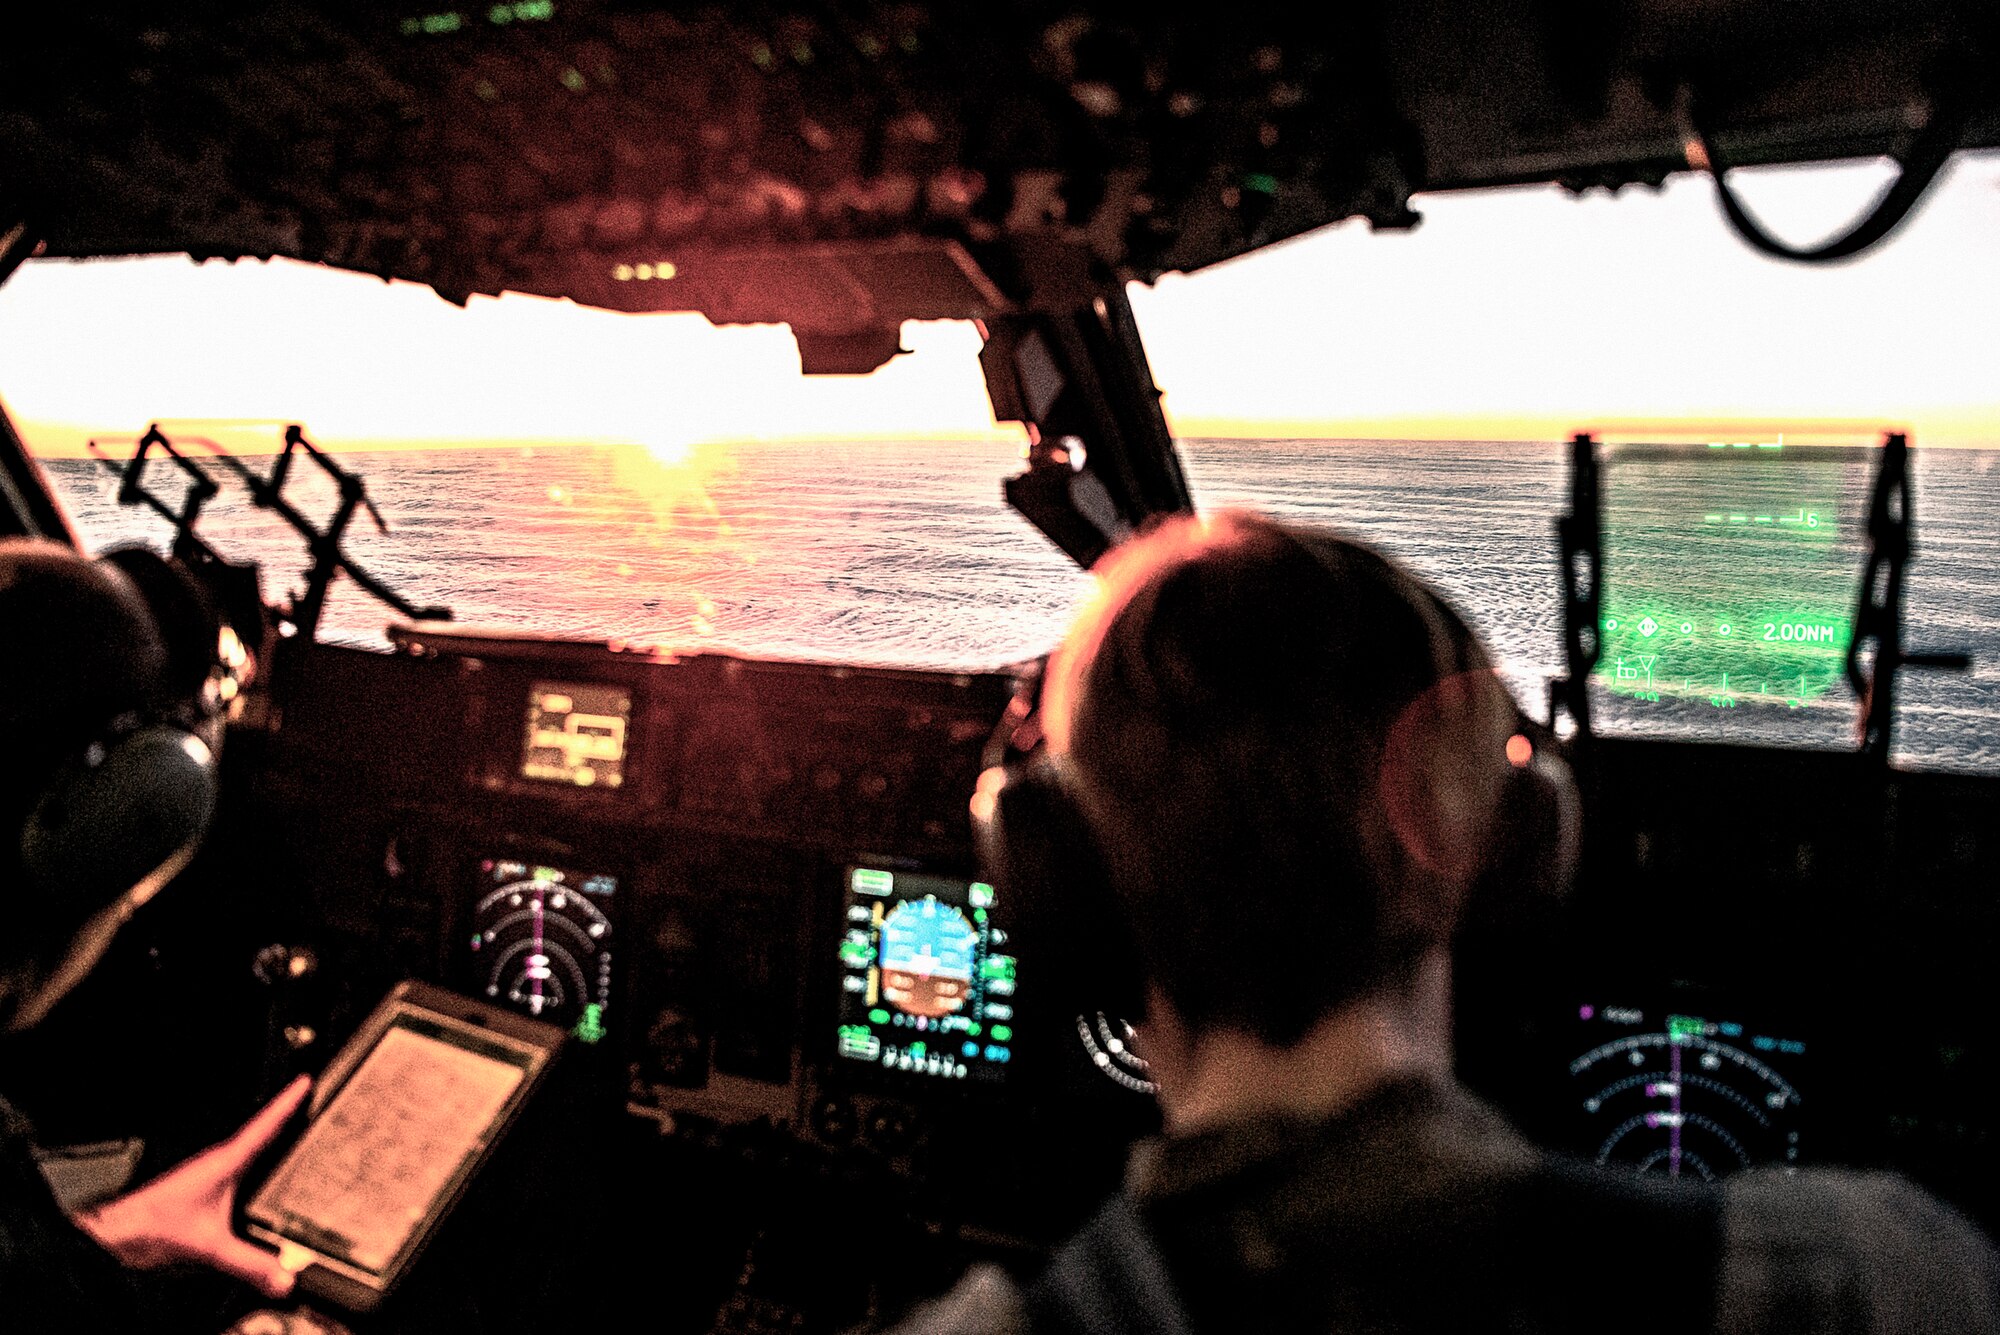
[
  {"x": 879, "y": 1016},
  {"x": 1002, "y": 1034}
]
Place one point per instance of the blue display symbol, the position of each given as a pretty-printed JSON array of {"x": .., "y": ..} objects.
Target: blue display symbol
[{"x": 928, "y": 952}]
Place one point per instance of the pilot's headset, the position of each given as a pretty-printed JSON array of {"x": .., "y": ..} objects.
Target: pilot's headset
[
  {"x": 1038, "y": 846},
  {"x": 122, "y": 652}
]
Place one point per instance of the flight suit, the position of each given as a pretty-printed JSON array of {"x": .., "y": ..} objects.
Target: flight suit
[
  {"x": 53, "y": 1277},
  {"x": 1421, "y": 1210}
]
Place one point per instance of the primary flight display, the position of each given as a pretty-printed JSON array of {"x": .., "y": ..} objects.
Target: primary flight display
[{"x": 926, "y": 987}]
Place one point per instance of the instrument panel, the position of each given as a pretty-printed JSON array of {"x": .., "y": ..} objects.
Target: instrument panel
[
  {"x": 747, "y": 889},
  {"x": 761, "y": 909},
  {"x": 749, "y": 935}
]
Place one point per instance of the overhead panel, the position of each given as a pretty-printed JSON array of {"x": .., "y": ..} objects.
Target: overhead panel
[{"x": 853, "y": 162}]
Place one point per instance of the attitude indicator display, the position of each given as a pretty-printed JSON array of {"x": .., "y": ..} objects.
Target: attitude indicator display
[
  {"x": 1730, "y": 578},
  {"x": 1683, "y": 1095},
  {"x": 926, "y": 987},
  {"x": 576, "y": 734},
  {"x": 541, "y": 943}
]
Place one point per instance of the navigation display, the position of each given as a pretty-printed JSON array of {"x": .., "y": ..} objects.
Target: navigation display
[
  {"x": 1731, "y": 576},
  {"x": 576, "y": 734},
  {"x": 924, "y": 985},
  {"x": 1683, "y": 1095},
  {"x": 541, "y": 943}
]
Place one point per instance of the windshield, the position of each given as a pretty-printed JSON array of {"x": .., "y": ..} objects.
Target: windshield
[
  {"x": 1415, "y": 388},
  {"x": 541, "y": 467},
  {"x": 656, "y": 479}
]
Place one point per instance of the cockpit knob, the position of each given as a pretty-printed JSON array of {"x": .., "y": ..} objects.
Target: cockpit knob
[
  {"x": 833, "y": 1120},
  {"x": 278, "y": 964},
  {"x": 675, "y": 1045},
  {"x": 891, "y": 1128}
]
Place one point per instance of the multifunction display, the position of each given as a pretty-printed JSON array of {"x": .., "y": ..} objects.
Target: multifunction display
[
  {"x": 576, "y": 734},
  {"x": 541, "y": 943},
  {"x": 1683, "y": 1095},
  {"x": 925, "y": 985}
]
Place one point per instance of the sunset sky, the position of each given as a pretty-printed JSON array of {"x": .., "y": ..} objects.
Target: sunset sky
[{"x": 1519, "y": 314}]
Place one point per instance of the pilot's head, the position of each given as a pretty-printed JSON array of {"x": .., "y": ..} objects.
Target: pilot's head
[
  {"x": 1296, "y": 761},
  {"x": 105, "y": 785}
]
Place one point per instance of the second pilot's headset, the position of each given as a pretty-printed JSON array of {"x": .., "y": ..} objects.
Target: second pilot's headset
[
  {"x": 1458, "y": 741},
  {"x": 134, "y": 788}
]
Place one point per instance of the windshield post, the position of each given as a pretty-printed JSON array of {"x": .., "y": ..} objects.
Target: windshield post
[
  {"x": 1101, "y": 460},
  {"x": 28, "y": 509},
  {"x": 18, "y": 240}
]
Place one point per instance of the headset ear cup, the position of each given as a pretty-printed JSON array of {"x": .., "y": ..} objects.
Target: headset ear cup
[
  {"x": 102, "y": 827},
  {"x": 187, "y": 619},
  {"x": 1537, "y": 832},
  {"x": 1563, "y": 803},
  {"x": 1514, "y": 932},
  {"x": 1072, "y": 936}
]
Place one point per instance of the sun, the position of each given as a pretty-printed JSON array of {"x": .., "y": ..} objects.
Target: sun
[{"x": 668, "y": 451}]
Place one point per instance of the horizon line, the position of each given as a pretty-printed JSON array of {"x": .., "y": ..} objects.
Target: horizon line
[{"x": 63, "y": 440}]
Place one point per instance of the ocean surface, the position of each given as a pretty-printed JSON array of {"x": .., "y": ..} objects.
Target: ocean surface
[{"x": 904, "y": 554}]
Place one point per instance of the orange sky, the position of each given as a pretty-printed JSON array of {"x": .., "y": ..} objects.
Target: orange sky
[{"x": 1519, "y": 314}]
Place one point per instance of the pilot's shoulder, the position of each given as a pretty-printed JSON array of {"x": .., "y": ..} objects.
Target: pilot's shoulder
[
  {"x": 984, "y": 1302},
  {"x": 1861, "y": 1251}
]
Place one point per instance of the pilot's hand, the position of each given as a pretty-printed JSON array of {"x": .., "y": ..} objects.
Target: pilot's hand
[{"x": 185, "y": 1213}]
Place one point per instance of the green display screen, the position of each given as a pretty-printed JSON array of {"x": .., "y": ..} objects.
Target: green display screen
[{"x": 1730, "y": 572}]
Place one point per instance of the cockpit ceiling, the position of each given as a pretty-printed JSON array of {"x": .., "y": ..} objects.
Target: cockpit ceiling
[{"x": 844, "y": 165}]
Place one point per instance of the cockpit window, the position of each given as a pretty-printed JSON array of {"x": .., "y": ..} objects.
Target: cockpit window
[
  {"x": 655, "y": 479},
  {"x": 1413, "y": 389},
  {"x": 550, "y": 469}
]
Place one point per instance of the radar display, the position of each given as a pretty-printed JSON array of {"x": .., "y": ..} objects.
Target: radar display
[
  {"x": 1682, "y": 1095},
  {"x": 541, "y": 943},
  {"x": 576, "y": 734},
  {"x": 1729, "y": 578},
  {"x": 924, "y": 987}
]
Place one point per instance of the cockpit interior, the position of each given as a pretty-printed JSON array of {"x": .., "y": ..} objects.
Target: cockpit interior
[{"x": 812, "y": 1069}]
